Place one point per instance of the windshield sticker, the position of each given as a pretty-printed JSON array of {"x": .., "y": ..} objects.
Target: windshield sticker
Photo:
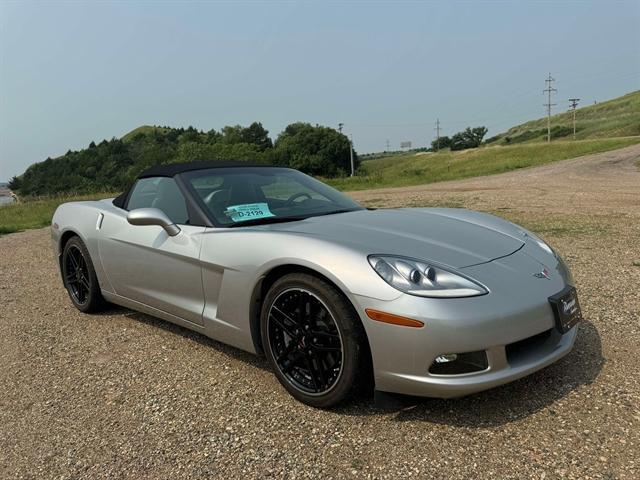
[{"x": 248, "y": 211}]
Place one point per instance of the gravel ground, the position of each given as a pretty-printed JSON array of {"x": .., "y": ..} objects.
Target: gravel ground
[{"x": 123, "y": 395}]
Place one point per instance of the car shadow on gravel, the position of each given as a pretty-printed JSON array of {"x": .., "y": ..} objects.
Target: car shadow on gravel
[
  {"x": 232, "y": 352},
  {"x": 507, "y": 403},
  {"x": 491, "y": 408}
]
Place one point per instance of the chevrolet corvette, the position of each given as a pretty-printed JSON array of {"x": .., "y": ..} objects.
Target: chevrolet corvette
[{"x": 341, "y": 299}]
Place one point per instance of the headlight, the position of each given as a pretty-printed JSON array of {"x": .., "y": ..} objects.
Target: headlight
[{"x": 423, "y": 279}]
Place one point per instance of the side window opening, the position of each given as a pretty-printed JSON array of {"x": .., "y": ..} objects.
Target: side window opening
[{"x": 162, "y": 193}]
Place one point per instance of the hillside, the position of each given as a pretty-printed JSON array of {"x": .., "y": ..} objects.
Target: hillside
[
  {"x": 146, "y": 130},
  {"x": 421, "y": 168},
  {"x": 322, "y": 151},
  {"x": 619, "y": 117},
  {"x": 113, "y": 164}
]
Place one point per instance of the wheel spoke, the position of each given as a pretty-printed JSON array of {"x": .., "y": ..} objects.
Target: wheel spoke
[
  {"x": 302, "y": 306},
  {"x": 326, "y": 336},
  {"x": 287, "y": 352},
  {"x": 281, "y": 323},
  {"x": 73, "y": 260},
  {"x": 85, "y": 283},
  {"x": 312, "y": 373},
  {"x": 291, "y": 363},
  {"x": 318, "y": 370},
  {"x": 285, "y": 315},
  {"x": 326, "y": 348}
]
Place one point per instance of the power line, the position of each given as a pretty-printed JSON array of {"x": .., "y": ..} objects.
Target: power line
[
  {"x": 437, "y": 129},
  {"x": 574, "y": 104},
  {"x": 549, "y": 81},
  {"x": 351, "y": 154}
]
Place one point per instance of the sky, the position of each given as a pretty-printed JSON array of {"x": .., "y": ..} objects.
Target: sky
[{"x": 76, "y": 72}]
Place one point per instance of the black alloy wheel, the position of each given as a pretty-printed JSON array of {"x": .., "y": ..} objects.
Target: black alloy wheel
[
  {"x": 305, "y": 341},
  {"x": 314, "y": 340},
  {"x": 79, "y": 277}
]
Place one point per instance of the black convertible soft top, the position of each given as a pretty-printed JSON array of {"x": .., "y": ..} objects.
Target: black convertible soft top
[{"x": 172, "y": 169}]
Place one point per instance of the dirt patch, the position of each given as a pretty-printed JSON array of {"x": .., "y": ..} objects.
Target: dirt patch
[{"x": 602, "y": 184}]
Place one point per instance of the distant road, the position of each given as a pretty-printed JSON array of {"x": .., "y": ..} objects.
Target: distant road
[{"x": 5, "y": 196}]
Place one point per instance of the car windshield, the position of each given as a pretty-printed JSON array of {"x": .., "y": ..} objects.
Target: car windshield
[{"x": 257, "y": 195}]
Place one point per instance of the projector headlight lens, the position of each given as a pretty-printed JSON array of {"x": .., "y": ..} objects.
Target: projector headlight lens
[{"x": 423, "y": 279}]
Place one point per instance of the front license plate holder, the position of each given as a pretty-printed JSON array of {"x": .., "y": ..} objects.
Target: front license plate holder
[{"x": 566, "y": 309}]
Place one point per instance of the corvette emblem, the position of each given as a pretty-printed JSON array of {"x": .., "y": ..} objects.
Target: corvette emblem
[{"x": 543, "y": 274}]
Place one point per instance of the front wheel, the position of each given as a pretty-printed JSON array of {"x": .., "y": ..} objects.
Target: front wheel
[
  {"x": 313, "y": 340},
  {"x": 79, "y": 277}
]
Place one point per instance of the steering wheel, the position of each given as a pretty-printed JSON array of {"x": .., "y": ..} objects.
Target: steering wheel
[
  {"x": 215, "y": 196},
  {"x": 293, "y": 197}
]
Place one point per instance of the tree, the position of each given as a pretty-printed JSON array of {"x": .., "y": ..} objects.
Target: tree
[
  {"x": 444, "y": 142},
  {"x": 314, "y": 149},
  {"x": 256, "y": 134},
  {"x": 469, "y": 138},
  {"x": 232, "y": 134},
  {"x": 112, "y": 165},
  {"x": 15, "y": 183}
]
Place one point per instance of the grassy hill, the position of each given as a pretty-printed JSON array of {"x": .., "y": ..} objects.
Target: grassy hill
[
  {"x": 112, "y": 164},
  {"x": 619, "y": 117},
  {"x": 144, "y": 130},
  {"x": 418, "y": 169}
]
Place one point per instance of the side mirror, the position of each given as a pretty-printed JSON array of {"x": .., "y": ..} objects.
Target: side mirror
[{"x": 153, "y": 216}]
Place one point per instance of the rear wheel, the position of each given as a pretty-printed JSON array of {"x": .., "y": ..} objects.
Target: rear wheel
[
  {"x": 79, "y": 277},
  {"x": 313, "y": 340}
]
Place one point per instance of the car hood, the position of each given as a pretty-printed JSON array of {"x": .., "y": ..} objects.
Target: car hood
[{"x": 453, "y": 237}]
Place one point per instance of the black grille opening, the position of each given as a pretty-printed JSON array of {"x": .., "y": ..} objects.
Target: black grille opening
[
  {"x": 527, "y": 346},
  {"x": 460, "y": 363}
]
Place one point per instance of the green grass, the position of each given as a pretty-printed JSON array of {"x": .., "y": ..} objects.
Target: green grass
[
  {"x": 614, "y": 118},
  {"x": 393, "y": 171},
  {"x": 36, "y": 213},
  {"x": 411, "y": 169}
]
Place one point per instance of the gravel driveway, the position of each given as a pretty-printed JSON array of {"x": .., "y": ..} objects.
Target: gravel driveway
[{"x": 123, "y": 395}]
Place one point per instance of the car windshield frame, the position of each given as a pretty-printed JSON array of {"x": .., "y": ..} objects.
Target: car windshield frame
[{"x": 343, "y": 203}]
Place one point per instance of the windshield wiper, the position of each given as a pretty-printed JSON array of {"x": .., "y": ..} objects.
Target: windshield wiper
[{"x": 266, "y": 221}]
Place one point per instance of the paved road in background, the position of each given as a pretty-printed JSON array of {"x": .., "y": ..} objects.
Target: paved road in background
[{"x": 5, "y": 196}]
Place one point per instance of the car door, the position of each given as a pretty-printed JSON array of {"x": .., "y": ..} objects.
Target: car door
[{"x": 144, "y": 263}]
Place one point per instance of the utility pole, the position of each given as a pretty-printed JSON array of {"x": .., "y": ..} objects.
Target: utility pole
[
  {"x": 437, "y": 129},
  {"x": 387, "y": 145},
  {"x": 549, "y": 90},
  {"x": 351, "y": 153},
  {"x": 340, "y": 125},
  {"x": 574, "y": 104}
]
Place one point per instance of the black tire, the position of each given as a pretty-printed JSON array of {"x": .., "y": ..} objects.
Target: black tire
[
  {"x": 301, "y": 344},
  {"x": 79, "y": 277}
]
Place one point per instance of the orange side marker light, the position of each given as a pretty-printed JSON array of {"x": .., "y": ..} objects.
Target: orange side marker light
[{"x": 393, "y": 319}]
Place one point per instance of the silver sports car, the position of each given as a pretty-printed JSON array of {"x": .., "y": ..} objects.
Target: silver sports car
[{"x": 423, "y": 301}]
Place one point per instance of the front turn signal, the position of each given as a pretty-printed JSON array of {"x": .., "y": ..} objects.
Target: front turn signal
[{"x": 384, "y": 317}]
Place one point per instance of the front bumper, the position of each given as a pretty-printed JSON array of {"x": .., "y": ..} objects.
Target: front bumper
[{"x": 514, "y": 324}]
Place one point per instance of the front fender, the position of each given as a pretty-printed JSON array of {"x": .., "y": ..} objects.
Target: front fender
[{"x": 235, "y": 262}]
